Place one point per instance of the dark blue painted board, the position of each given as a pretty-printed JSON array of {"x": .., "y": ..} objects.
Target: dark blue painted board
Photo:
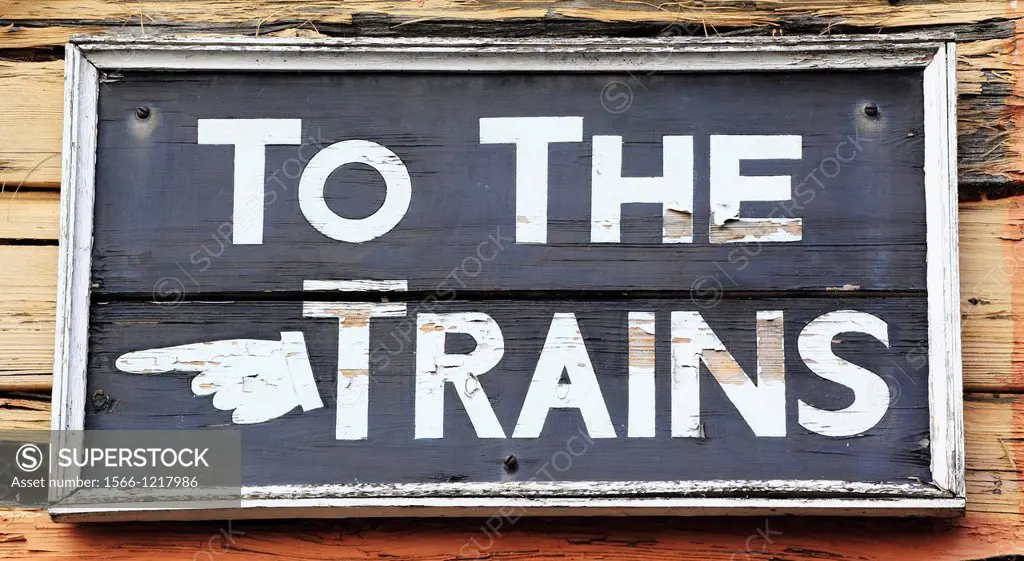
[
  {"x": 301, "y": 447},
  {"x": 163, "y": 202}
]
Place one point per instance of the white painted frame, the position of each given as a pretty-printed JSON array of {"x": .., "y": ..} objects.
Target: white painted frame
[{"x": 87, "y": 58}]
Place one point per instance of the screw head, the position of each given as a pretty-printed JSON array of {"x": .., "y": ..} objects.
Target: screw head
[
  {"x": 511, "y": 463},
  {"x": 142, "y": 112},
  {"x": 871, "y": 110},
  {"x": 100, "y": 400}
]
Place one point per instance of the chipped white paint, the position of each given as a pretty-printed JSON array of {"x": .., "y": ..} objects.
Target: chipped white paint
[
  {"x": 250, "y": 137},
  {"x": 531, "y": 135},
  {"x": 77, "y": 198},
  {"x": 945, "y": 387},
  {"x": 564, "y": 351},
  {"x": 436, "y": 368},
  {"x": 674, "y": 189},
  {"x": 481, "y": 54},
  {"x": 762, "y": 406},
  {"x": 641, "y": 375},
  {"x": 258, "y": 379},
  {"x": 729, "y": 187},
  {"x": 397, "y": 184},
  {"x": 815, "y": 347},
  {"x": 352, "y": 416},
  {"x": 355, "y": 285}
]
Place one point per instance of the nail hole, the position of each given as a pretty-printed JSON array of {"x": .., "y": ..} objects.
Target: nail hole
[{"x": 871, "y": 110}]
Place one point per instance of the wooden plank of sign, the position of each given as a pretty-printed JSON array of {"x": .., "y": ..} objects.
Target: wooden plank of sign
[
  {"x": 508, "y": 409},
  {"x": 458, "y": 231}
]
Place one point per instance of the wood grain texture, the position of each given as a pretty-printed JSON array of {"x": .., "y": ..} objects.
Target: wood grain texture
[
  {"x": 31, "y": 94},
  {"x": 991, "y": 258},
  {"x": 29, "y": 215},
  {"x": 28, "y": 287},
  {"x": 25, "y": 412},
  {"x": 30, "y": 534},
  {"x": 13, "y": 36},
  {"x": 459, "y": 230},
  {"x": 254, "y": 14},
  {"x": 893, "y": 451},
  {"x": 991, "y": 262}
]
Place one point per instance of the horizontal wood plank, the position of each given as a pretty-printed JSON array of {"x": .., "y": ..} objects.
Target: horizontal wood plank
[
  {"x": 29, "y": 215},
  {"x": 127, "y": 342},
  {"x": 31, "y": 94},
  {"x": 31, "y": 534},
  {"x": 731, "y": 13},
  {"x": 468, "y": 205},
  {"x": 24, "y": 412},
  {"x": 994, "y": 524},
  {"x": 14, "y": 36},
  {"x": 992, "y": 256},
  {"x": 992, "y": 308},
  {"x": 28, "y": 290}
]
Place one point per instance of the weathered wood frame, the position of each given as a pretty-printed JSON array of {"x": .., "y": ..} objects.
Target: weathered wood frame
[{"x": 88, "y": 58}]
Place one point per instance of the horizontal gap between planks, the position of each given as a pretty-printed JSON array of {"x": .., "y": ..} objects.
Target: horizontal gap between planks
[
  {"x": 482, "y": 295},
  {"x": 28, "y": 241},
  {"x": 32, "y": 54},
  {"x": 976, "y": 190}
]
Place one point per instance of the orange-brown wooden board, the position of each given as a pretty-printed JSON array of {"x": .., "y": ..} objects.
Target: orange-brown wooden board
[
  {"x": 29, "y": 215},
  {"x": 32, "y": 535},
  {"x": 732, "y": 13},
  {"x": 28, "y": 303}
]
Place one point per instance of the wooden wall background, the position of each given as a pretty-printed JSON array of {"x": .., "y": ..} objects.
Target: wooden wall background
[{"x": 991, "y": 129}]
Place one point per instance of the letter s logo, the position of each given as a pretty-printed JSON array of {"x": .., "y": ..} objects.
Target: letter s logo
[{"x": 29, "y": 457}]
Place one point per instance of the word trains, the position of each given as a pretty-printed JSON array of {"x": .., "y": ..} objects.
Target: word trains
[{"x": 761, "y": 401}]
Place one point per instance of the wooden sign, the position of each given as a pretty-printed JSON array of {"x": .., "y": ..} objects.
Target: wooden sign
[{"x": 448, "y": 277}]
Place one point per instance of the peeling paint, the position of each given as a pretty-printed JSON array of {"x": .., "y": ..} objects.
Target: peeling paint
[
  {"x": 762, "y": 406},
  {"x": 743, "y": 230}
]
